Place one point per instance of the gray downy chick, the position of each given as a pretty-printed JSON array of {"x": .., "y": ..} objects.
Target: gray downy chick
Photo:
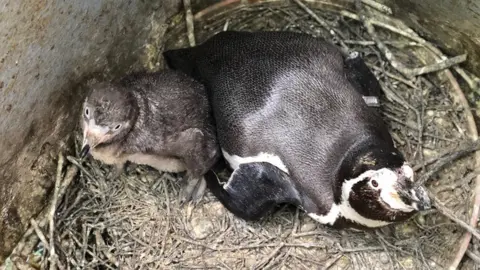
[{"x": 158, "y": 119}]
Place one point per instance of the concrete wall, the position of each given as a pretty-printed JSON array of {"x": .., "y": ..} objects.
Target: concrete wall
[{"x": 46, "y": 49}]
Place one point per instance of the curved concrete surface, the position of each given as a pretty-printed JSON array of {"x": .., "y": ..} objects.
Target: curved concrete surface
[{"x": 46, "y": 49}]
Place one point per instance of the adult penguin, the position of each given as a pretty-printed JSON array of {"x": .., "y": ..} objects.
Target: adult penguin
[{"x": 293, "y": 126}]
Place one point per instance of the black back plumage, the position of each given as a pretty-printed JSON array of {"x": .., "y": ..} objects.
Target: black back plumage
[{"x": 286, "y": 94}]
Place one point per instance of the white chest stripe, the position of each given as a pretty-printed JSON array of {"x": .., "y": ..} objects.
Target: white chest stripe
[
  {"x": 329, "y": 218},
  {"x": 235, "y": 160},
  {"x": 346, "y": 210}
]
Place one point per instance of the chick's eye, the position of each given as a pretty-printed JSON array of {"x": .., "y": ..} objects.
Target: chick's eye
[
  {"x": 374, "y": 183},
  {"x": 87, "y": 112},
  {"x": 117, "y": 127}
]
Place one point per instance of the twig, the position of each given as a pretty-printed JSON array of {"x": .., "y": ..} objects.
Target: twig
[
  {"x": 323, "y": 23},
  {"x": 359, "y": 249},
  {"x": 382, "y": 242},
  {"x": 67, "y": 180},
  {"x": 167, "y": 202},
  {"x": 408, "y": 125},
  {"x": 408, "y": 72},
  {"x": 282, "y": 263},
  {"x": 102, "y": 246},
  {"x": 28, "y": 241},
  {"x": 473, "y": 83},
  {"x": 53, "y": 208},
  {"x": 378, "y": 6},
  {"x": 409, "y": 33},
  {"x": 473, "y": 256},
  {"x": 441, "y": 162},
  {"x": 421, "y": 126},
  {"x": 440, "y": 65},
  {"x": 332, "y": 261},
  {"x": 39, "y": 233},
  {"x": 22, "y": 247},
  {"x": 446, "y": 212},
  {"x": 371, "y": 42},
  {"x": 464, "y": 181},
  {"x": 430, "y": 161},
  {"x": 306, "y": 259},
  {"x": 462, "y": 100},
  {"x": 381, "y": 46},
  {"x": 269, "y": 257},
  {"x": 301, "y": 245},
  {"x": 189, "y": 18},
  {"x": 75, "y": 162}
]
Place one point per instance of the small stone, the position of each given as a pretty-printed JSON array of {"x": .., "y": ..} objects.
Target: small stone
[
  {"x": 384, "y": 258},
  {"x": 151, "y": 178},
  {"x": 308, "y": 227},
  {"x": 343, "y": 262},
  {"x": 405, "y": 229},
  {"x": 408, "y": 263},
  {"x": 215, "y": 209},
  {"x": 202, "y": 227},
  {"x": 439, "y": 121},
  {"x": 429, "y": 153},
  {"x": 420, "y": 219},
  {"x": 250, "y": 262}
]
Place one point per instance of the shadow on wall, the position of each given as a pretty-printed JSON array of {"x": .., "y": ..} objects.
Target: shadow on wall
[{"x": 46, "y": 49}]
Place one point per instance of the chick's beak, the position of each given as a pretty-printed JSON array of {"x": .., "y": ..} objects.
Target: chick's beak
[
  {"x": 85, "y": 150},
  {"x": 85, "y": 145},
  {"x": 92, "y": 136}
]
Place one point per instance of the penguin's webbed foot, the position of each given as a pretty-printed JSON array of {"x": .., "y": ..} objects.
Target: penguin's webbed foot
[
  {"x": 116, "y": 171},
  {"x": 192, "y": 190}
]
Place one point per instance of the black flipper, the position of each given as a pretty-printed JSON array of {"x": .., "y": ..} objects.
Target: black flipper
[
  {"x": 361, "y": 77},
  {"x": 253, "y": 190}
]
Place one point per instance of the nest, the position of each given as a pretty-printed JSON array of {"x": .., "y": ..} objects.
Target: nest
[{"x": 136, "y": 222}]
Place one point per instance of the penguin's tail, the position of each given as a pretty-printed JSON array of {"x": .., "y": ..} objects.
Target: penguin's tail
[{"x": 181, "y": 59}]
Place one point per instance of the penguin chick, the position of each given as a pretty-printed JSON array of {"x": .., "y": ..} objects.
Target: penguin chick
[
  {"x": 158, "y": 119},
  {"x": 295, "y": 129}
]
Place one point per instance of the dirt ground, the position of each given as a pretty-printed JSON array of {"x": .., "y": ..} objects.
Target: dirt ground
[{"x": 136, "y": 222}]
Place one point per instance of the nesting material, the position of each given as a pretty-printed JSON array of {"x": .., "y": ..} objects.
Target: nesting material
[{"x": 136, "y": 222}]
